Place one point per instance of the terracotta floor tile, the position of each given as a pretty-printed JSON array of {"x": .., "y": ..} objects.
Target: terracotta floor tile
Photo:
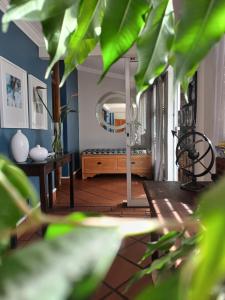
[
  {"x": 141, "y": 237},
  {"x": 127, "y": 242},
  {"x": 22, "y": 244},
  {"x": 101, "y": 292},
  {"x": 120, "y": 271},
  {"x": 135, "y": 252},
  {"x": 26, "y": 236},
  {"x": 136, "y": 288},
  {"x": 36, "y": 237},
  {"x": 146, "y": 239},
  {"x": 114, "y": 296}
]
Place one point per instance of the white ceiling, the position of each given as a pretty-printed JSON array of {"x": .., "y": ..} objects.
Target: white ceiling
[{"x": 94, "y": 62}]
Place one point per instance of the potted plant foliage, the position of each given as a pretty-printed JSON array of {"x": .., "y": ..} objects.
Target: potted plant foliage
[{"x": 72, "y": 29}]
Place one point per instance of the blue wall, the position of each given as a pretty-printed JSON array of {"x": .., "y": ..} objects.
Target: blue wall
[
  {"x": 16, "y": 47},
  {"x": 68, "y": 94}
]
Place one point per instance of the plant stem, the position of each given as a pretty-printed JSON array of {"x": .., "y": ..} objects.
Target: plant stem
[{"x": 44, "y": 104}]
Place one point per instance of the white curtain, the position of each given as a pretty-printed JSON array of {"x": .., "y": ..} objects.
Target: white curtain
[
  {"x": 159, "y": 130},
  {"x": 219, "y": 111},
  {"x": 211, "y": 97}
]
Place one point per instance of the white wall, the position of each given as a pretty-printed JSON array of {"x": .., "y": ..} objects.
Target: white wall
[{"x": 91, "y": 134}]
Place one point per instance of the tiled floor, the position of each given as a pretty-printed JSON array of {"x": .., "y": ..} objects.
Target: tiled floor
[{"x": 105, "y": 194}]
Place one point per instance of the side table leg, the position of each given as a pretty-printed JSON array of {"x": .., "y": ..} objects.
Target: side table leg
[
  {"x": 71, "y": 184},
  {"x": 50, "y": 190},
  {"x": 43, "y": 230},
  {"x": 13, "y": 241},
  {"x": 43, "y": 194},
  {"x": 154, "y": 238}
]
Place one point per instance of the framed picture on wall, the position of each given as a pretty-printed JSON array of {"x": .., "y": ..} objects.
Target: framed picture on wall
[
  {"x": 37, "y": 96},
  {"x": 13, "y": 95}
]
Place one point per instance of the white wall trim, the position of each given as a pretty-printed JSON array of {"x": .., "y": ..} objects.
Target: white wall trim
[
  {"x": 99, "y": 72},
  {"x": 29, "y": 28},
  {"x": 3, "y": 5},
  {"x": 42, "y": 52},
  {"x": 74, "y": 173}
]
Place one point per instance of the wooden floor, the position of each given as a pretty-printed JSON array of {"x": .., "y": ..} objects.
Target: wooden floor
[{"x": 105, "y": 194}]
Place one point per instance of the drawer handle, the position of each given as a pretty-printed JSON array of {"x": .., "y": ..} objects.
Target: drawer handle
[
  {"x": 133, "y": 162},
  {"x": 99, "y": 163}
]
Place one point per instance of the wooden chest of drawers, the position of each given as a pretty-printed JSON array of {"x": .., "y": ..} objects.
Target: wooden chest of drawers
[{"x": 115, "y": 164}]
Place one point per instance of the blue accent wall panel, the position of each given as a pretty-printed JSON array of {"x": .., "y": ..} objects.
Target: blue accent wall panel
[
  {"x": 16, "y": 47},
  {"x": 68, "y": 94}
]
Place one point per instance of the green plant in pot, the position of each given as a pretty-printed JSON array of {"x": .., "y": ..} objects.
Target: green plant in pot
[
  {"x": 57, "y": 126},
  {"x": 79, "y": 249}
]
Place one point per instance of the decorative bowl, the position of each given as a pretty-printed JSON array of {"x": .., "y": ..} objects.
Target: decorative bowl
[{"x": 38, "y": 153}]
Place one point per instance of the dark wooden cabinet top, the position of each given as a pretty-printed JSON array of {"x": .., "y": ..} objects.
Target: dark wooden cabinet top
[
  {"x": 161, "y": 190},
  {"x": 49, "y": 160}
]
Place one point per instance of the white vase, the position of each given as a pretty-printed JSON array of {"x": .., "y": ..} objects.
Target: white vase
[
  {"x": 38, "y": 153},
  {"x": 19, "y": 147}
]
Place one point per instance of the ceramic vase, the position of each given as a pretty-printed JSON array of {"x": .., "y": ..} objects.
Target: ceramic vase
[
  {"x": 19, "y": 147},
  {"x": 38, "y": 153}
]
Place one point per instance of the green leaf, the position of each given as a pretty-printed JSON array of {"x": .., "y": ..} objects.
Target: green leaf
[
  {"x": 154, "y": 43},
  {"x": 169, "y": 259},
  {"x": 15, "y": 189},
  {"x": 20, "y": 181},
  {"x": 57, "y": 30},
  {"x": 34, "y": 10},
  {"x": 165, "y": 290},
  {"x": 84, "y": 39},
  {"x": 126, "y": 226},
  {"x": 207, "y": 268},
  {"x": 122, "y": 23},
  {"x": 199, "y": 29},
  {"x": 164, "y": 243},
  {"x": 48, "y": 270},
  {"x": 55, "y": 230},
  {"x": 38, "y": 10},
  {"x": 157, "y": 264}
]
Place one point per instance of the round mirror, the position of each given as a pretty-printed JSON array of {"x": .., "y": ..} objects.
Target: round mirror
[{"x": 111, "y": 112}]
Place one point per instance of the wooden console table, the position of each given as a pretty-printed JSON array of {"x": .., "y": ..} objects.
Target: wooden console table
[
  {"x": 220, "y": 166},
  {"x": 159, "y": 191},
  {"x": 168, "y": 201},
  {"x": 44, "y": 169}
]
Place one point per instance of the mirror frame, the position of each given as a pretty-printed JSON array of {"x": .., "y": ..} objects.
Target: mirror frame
[{"x": 103, "y": 99}]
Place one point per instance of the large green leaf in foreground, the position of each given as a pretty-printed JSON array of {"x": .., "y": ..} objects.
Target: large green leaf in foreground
[
  {"x": 84, "y": 39},
  {"x": 71, "y": 262},
  {"x": 49, "y": 270},
  {"x": 207, "y": 268},
  {"x": 167, "y": 290},
  {"x": 154, "y": 43},
  {"x": 202, "y": 24},
  {"x": 57, "y": 30},
  {"x": 15, "y": 189},
  {"x": 122, "y": 23},
  {"x": 34, "y": 10}
]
